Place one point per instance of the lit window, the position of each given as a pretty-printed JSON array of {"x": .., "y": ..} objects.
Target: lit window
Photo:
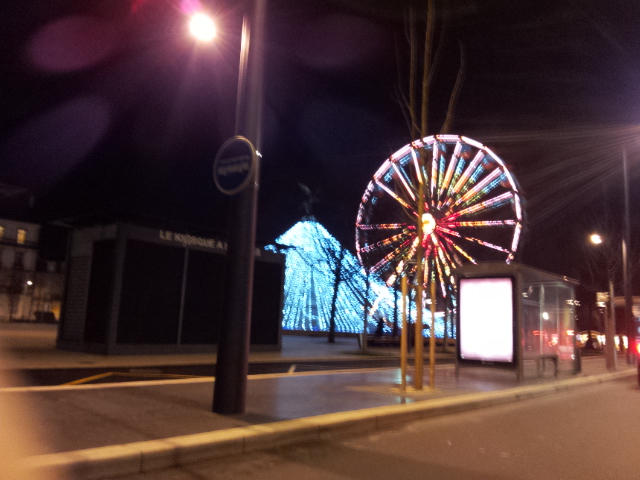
[
  {"x": 22, "y": 236},
  {"x": 1, "y": 232}
]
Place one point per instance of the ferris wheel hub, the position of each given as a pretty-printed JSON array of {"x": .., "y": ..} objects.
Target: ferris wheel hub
[{"x": 428, "y": 224}]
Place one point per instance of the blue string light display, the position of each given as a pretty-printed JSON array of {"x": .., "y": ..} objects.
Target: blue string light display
[{"x": 313, "y": 259}]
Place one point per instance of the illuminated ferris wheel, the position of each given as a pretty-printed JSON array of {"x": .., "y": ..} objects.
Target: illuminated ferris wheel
[{"x": 471, "y": 210}]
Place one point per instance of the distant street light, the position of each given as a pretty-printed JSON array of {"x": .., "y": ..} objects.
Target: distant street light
[{"x": 595, "y": 238}]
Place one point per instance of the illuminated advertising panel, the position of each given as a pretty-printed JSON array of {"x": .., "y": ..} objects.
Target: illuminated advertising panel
[{"x": 486, "y": 319}]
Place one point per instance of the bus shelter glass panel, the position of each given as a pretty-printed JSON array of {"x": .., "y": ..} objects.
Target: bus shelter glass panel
[{"x": 548, "y": 320}]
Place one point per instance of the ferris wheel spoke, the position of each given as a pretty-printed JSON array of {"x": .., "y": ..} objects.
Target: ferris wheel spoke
[
  {"x": 402, "y": 176},
  {"x": 416, "y": 164},
  {"x": 451, "y": 192},
  {"x": 382, "y": 226},
  {"x": 466, "y": 176},
  {"x": 457, "y": 247},
  {"x": 414, "y": 248},
  {"x": 451, "y": 256},
  {"x": 480, "y": 189},
  {"x": 384, "y": 243},
  {"x": 390, "y": 256},
  {"x": 494, "y": 202},
  {"x": 434, "y": 172},
  {"x": 437, "y": 252},
  {"x": 445, "y": 249},
  {"x": 486, "y": 244},
  {"x": 516, "y": 238},
  {"x": 440, "y": 276},
  {"x": 426, "y": 263},
  {"x": 448, "y": 231},
  {"x": 481, "y": 223},
  {"x": 394, "y": 195},
  {"x": 429, "y": 265},
  {"x": 483, "y": 191},
  {"x": 450, "y": 170},
  {"x": 446, "y": 260},
  {"x": 441, "y": 169},
  {"x": 398, "y": 271}
]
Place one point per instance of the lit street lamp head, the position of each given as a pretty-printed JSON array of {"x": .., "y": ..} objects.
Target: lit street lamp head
[
  {"x": 202, "y": 27},
  {"x": 595, "y": 238}
]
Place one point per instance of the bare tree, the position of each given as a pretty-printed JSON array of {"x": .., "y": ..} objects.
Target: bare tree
[
  {"x": 334, "y": 258},
  {"x": 422, "y": 72},
  {"x": 346, "y": 274}
]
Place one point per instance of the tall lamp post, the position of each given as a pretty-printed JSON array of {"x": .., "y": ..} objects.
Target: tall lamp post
[
  {"x": 610, "y": 319},
  {"x": 233, "y": 347},
  {"x": 629, "y": 319}
]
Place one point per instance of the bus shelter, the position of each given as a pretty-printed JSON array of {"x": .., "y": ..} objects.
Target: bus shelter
[{"x": 517, "y": 317}]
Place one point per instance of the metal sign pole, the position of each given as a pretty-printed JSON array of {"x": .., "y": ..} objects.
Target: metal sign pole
[{"x": 230, "y": 390}]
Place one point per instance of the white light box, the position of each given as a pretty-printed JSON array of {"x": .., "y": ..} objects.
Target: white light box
[{"x": 486, "y": 319}]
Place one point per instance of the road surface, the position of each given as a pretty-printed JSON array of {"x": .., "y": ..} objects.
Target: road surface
[{"x": 592, "y": 432}]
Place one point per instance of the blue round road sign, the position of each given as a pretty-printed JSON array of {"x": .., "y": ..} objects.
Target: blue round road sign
[{"x": 234, "y": 165}]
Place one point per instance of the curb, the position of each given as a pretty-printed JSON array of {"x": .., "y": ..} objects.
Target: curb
[{"x": 138, "y": 457}]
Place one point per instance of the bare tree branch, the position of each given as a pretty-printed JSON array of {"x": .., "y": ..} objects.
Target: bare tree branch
[
  {"x": 436, "y": 57},
  {"x": 428, "y": 42},
  {"x": 412, "y": 72},
  {"x": 456, "y": 91}
]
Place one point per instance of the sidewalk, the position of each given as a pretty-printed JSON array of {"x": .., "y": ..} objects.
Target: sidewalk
[
  {"x": 97, "y": 431},
  {"x": 31, "y": 346}
]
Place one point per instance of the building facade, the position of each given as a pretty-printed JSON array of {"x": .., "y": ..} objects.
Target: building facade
[
  {"x": 132, "y": 289},
  {"x": 30, "y": 288}
]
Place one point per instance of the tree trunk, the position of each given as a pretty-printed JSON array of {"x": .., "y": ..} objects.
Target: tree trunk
[
  {"x": 365, "y": 319},
  {"x": 395, "y": 313},
  {"x": 334, "y": 297}
]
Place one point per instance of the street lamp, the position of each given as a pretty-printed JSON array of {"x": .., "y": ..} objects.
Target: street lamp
[
  {"x": 595, "y": 239},
  {"x": 610, "y": 320},
  {"x": 202, "y": 27},
  {"x": 229, "y": 396}
]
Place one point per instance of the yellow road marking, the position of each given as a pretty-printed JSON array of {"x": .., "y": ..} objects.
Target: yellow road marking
[
  {"x": 88, "y": 379},
  {"x": 78, "y": 384},
  {"x": 156, "y": 375},
  {"x": 128, "y": 374}
]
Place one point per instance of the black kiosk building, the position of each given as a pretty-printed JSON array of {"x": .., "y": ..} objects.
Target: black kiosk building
[{"x": 139, "y": 290}]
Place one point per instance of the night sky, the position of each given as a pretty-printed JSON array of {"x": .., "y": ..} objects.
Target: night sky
[{"x": 108, "y": 106}]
